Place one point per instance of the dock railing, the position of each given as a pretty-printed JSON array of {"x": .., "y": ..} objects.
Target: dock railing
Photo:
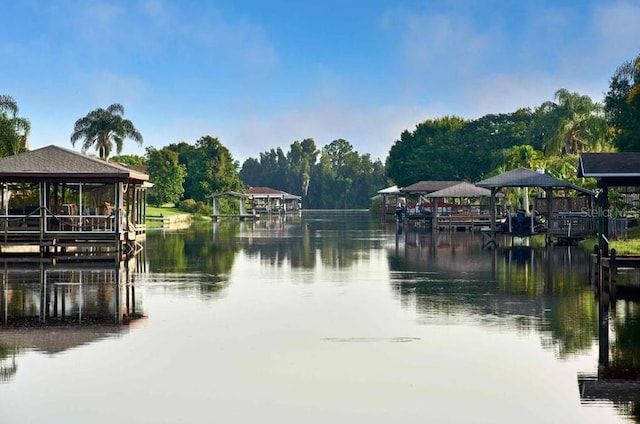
[{"x": 580, "y": 225}]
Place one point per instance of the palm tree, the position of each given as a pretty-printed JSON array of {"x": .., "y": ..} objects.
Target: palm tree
[
  {"x": 13, "y": 129},
  {"x": 572, "y": 125},
  {"x": 101, "y": 128}
]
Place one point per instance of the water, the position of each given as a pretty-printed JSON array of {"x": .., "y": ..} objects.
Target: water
[{"x": 328, "y": 317}]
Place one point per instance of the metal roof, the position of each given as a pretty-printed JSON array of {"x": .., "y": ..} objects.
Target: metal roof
[
  {"x": 268, "y": 192},
  {"x": 390, "y": 190},
  {"x": 463, "y": 189},
  {"x": 230, "y": 194},
  {"x": 424, "y": 187},
  {"x": 60, "y": 163},
  {"x": 609, "y": 165},
  {"x": 523, "y": 177}
]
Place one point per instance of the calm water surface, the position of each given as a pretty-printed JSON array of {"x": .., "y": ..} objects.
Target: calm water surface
[{"x": 327, "y": 317}]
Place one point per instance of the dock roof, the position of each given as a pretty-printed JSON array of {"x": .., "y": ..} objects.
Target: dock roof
[
  {"x": 58, "y": 163},
  {"x": 425, "y": 187},
  {"x": 462, "y": 189},
  {"x": 523, "y": 177},
  {"x": 609, "y": 165}
]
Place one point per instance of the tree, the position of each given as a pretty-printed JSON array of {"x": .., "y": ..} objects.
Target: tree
[
  {"x": 131, "y": 160},
  {"x": 301, "y": 158},
  {"x": 14, "y": 130},
  {"x": 210, "y": 168},
  {"x": 572, "y": 125},
  {"x": 622, "y": 106},
  {"x": 102, "y": 128},
  {"x": 167, "y": 175}
]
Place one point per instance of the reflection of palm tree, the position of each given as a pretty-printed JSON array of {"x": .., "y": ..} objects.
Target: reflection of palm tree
[
  {"x": 8, "y": 366},
  {"x": 101, "y": 128}
]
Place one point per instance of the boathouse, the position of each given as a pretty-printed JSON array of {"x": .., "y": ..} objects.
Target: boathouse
[
  {"x": 63, "y": 201},
  {"x": 269, "y": 200},
  {"x": 568, "y": 223},
  {"x": 620, "y": 170}
]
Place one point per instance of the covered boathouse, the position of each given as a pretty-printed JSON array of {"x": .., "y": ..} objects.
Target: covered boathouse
[{"x": 55, "y": 201}]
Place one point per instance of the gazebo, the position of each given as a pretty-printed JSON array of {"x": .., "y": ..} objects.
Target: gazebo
[
  {"x": 568, "y": 225},
  {"x": 458, "y": 191},
  {"x": 61, "y": 200}
]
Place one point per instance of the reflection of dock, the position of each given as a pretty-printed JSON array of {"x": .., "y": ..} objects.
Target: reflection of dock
[
  {"x": 618, "y": 376},
  {"x": 66, "y": 296},
  {"x": 241, "y": 217}
]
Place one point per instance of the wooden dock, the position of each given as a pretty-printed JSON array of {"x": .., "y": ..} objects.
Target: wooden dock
[{"x": 604, "y": 272}]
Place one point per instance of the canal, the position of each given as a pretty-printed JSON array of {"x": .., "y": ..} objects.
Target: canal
[{"x": 317, "y": 318}]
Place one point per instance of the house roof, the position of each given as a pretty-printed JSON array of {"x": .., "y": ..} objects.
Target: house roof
[
  {"x": 523, "y": 177},
  {"x": 424, "y": 187},
  {"x": 612, "y": 165},
  {"x": 230, "y": 194},
  {"x": 60, "y": 163},
  {"x": 268, "y": 192},
  {"x": 463, "y": 189}
]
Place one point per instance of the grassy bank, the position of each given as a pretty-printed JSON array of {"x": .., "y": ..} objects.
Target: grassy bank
[
  {"x": 629, "y": 246},
  {"x": 168, "y": 211}
]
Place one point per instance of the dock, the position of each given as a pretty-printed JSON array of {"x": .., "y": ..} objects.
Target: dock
[{"x": 604, "y": 273}]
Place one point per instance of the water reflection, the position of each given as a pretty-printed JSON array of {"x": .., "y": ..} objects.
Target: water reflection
[
  {"x": 56, "y": 308},
  {"x": 318, "y": 318},
  {"x": 450, "y": 277},
  {"x": 332, "y": 238},
  {"x": 617, "y": 379}
]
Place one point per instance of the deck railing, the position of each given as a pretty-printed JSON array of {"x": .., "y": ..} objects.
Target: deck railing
[
  {"x": 55, "y": 223},
  {"x": 582, "y": 225}
]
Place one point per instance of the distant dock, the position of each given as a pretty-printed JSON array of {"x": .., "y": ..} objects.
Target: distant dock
[{"x": 171, "y": 221}]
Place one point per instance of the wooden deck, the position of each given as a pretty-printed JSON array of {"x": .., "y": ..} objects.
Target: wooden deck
[
  {"x": 463, "y": 222},
  {"x": 65, "y": 237}
]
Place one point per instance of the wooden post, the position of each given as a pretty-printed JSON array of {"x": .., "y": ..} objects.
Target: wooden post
[
  {"x": 613, "y": 272},
  {"x": 603, "y": 216}
]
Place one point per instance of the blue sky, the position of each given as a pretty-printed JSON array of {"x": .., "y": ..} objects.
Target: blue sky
[{"x": 260, "y": 74}]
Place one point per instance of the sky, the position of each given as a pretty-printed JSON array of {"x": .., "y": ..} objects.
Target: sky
[{"x": 261, "y": 74}]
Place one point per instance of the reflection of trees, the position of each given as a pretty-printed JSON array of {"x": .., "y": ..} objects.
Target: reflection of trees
[
  {"x": 8, "y": 365},
  {"x": 337, "y": 238},
  {"x": 194, "y": 250},
  {"x": 625, "y": 351},
  {"x": 528, "y": 288}
]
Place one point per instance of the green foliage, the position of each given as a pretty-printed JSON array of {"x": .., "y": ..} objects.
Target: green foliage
[
  {"x": 622, "y": 106},
  {"x": 167, "y": 176},
  {"x": 572, "y": 125},
  {"x": 451, "y": 148},
  {"x": 192, "y": 206},
  {"x": 14, "y": 130},
  {"x": 340, "y": 179},
  {"x": 131, "y": 160},
  {"x": 189, "y": 205},
  {"x": 102, "y": 128},
  {"x": 210, "y": 168},
  {"x": 290, "y": 172}
]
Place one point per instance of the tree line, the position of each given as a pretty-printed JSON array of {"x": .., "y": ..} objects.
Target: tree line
[{"x": 336, "y": 176}]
